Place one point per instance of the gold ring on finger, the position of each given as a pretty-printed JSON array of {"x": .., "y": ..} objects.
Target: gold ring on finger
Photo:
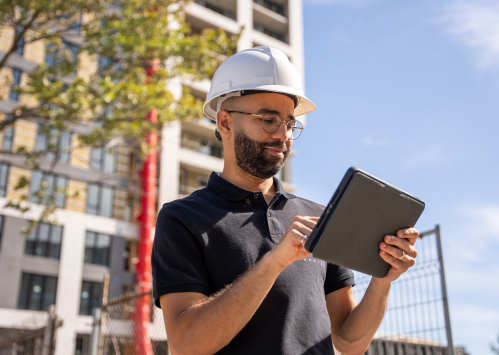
[{"x": 403, "y": 253}]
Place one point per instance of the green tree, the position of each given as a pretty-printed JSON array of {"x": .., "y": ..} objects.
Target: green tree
[{"x": 111, "y": 100}]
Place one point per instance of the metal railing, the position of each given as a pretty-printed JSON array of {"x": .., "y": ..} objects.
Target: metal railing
[
  {"x": 277, "y": 8},
  {"x": 202, "y": 146},
  {"x": 417, "y": 310},
  {"x": 115, "y": 330},
  {"x": 217, "y": 9}
]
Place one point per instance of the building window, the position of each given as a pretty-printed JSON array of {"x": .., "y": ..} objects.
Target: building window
[
  {"x": 91, "y": 295},
  {"x": 45, "y": 240},
  {"x": 37, "y": 292},
  {"x": 53, "y": 57},
  {"x": 103, "y": 159},
  {"x": 97, "y": 246},
  {"x": 53, "y": 139},
  {"x": 100, "y": 200},
  {"x": 72, "y": 23},
  {"x": 44, "y": 184},
  {"x": 82, "y": 344},
  {"x": 4, "y": 179},
  {"x": 104, "y": 63},
  {"x": 8, "y": 138},
  {"x": 16, "y": 76}
]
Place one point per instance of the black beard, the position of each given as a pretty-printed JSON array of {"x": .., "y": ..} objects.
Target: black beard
[{"x": 253, "y": 158}]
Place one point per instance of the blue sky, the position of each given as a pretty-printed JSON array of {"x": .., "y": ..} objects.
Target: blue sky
[{"x": 409, "y": 91}]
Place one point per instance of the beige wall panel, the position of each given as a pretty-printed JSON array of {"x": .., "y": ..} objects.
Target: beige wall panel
[
  {"x": 87, "y": 65},
  {"x": 15, "y": 174},
  {"x": 6, "y": 79},
  {"x": 25, "y": 135},
  {"x": 123, "y": 161},
  {"x": 80, "y": 156},
  {"x": 27, "y": 100},
  {"x": 120, "y": 202},
  {"x": 6, "y": 38},
  {"x": 35, "y": 51},
  {"x": 73, "y": 203}
]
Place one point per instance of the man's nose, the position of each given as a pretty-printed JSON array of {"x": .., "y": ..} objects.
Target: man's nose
[{"x": 282, "y": 132}]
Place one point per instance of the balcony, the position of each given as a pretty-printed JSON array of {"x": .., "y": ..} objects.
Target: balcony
[
  {"x": 269, "y": 32},
  {"x": 272, "y": 6},
  {"x": 191, "y": 180},
  {"x": 218, "y": 9},
  {"x": 202, "y": 146}
]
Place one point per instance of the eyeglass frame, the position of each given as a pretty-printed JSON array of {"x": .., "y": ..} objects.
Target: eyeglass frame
[{"x": 278, "y": 126}]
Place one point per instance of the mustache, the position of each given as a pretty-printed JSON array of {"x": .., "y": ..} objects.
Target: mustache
[{"x": 275, "y": 144}]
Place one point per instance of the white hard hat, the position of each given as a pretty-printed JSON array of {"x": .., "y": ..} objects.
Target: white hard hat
[{"x": 259, "y": 69}]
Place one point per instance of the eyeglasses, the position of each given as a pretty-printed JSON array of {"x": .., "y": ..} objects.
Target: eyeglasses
[{"x": 271, "y": 123}]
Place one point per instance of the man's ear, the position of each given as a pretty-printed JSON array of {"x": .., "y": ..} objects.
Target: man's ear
[{"x": 224, "y": 120}]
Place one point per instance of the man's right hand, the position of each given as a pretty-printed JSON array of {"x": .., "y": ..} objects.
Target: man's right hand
[{"x": 290, "y": 248}]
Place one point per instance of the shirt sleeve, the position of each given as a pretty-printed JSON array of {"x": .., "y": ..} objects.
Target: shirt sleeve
[
  {"x": 177, "y": 256},
  {"x": 337, "y": 277}
]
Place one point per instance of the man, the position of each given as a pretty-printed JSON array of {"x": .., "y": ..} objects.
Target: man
[{"x": 229, "y": 267}]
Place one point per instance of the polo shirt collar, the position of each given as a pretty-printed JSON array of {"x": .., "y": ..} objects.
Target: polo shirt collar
[{"x": 225, "y": 189}]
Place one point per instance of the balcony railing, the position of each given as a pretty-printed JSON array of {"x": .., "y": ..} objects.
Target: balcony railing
[
  {"x": 270, "y": 33},
  {"x": 188, "y": 186},
  {"x": 216, "y": 8},
  {"x": 202, "y": 146},
  {"x": 271, "y": 6}
]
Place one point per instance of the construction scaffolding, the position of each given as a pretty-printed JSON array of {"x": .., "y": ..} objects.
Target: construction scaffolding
[{"x": 417, "y": 310}]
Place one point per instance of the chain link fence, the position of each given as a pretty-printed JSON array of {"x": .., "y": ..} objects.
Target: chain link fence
[
  {"x": 417, "y": 310},
  {"x": 34, "y": 335},
  {"x": 120, "y": 329}
]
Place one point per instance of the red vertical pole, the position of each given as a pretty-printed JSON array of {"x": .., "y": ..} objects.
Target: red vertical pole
[{"x": 143, "y": 280}]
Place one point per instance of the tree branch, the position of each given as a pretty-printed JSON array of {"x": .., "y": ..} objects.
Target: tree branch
[{"x": 17, "y": 38}]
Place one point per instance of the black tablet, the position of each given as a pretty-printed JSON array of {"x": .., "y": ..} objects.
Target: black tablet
[{"x": 361, "y": 212}]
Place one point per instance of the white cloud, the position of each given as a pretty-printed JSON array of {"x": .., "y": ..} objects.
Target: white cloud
[
  {"x": 475, "y": 23},
  {"x": 369, "y": 141}
]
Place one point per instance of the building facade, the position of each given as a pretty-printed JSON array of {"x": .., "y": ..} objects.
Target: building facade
[{"x": 97, "y": 230}]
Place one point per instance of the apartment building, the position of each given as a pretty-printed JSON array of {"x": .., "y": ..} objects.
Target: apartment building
[{"x": 97, "y": 231}]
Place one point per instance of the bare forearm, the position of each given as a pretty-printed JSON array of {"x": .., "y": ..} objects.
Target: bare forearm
[
  {"x": 359, "y": 327},
  {"x": 209, "y": 326}
]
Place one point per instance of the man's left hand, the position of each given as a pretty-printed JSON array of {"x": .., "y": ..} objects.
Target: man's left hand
[{"x": 399, "y": 252}]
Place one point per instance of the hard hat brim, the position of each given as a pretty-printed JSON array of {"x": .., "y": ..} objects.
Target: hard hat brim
[{"x": 305, "y": 105}]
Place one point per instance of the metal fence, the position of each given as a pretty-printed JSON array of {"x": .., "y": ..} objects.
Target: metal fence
[
  {"x": 115, "y": 329},
  {"x": 34, "y": 335},
  {"x": 417, "y": 310}
]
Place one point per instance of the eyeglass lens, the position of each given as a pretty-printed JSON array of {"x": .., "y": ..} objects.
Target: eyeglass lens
[{"x": 272, "y": 122}]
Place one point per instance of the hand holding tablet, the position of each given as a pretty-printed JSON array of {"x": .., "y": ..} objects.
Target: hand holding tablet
[{"x": 362, "y": 214}]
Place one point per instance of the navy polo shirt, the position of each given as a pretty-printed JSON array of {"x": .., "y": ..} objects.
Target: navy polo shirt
[{"x": 207, "y": 240}]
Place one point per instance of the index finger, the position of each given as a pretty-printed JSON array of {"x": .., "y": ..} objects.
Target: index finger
[{"x": 411, "y": 234}]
